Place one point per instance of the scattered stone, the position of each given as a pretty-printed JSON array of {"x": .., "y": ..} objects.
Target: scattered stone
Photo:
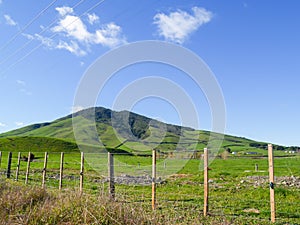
[
  {"x": 135, "y": 180},
  {"x": 122, "y": 179},
  {"x": 287, "y": 181},
  {"x": 251, "y": 211}
]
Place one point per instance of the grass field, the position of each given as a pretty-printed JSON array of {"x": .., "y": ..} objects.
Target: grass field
[{"x": 238, "y": 193}]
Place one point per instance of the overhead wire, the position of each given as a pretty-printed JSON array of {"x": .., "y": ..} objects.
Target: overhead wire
[
  {"x": 27, "y": 25},
  {"x": 52, "y": 36},
  {"x": 43, "y": 31},
  {"x": 40, "y": 33}
]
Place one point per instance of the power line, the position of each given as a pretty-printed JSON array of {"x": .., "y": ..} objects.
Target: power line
[
  {"x": 52, "y": 36},
  {"x": 27, "y": 25},
  {"x": 43, "y": 31}
]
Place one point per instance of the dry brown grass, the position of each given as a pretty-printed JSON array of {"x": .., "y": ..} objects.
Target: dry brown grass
[
  {"x": 20, "y": 204},
  {"x": 33, "y": 205}
]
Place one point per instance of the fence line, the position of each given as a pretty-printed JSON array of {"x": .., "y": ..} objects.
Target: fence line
[
  {"x": 61, "y": 170},
  {"x": 271, "y": 176},
  {"x": 28, "y": 167},
  {"x": 9, "y": 165},
  {"x": 18, "y": 166},
  {"x": 45, "y": 169},
  {"x": 153, "y": 179},
  {"x": 81, "y": 172},
  {"x": 87, "y": 179},
  {"x": 111, "y": 175},
  {"x": 206, "y": 185}
]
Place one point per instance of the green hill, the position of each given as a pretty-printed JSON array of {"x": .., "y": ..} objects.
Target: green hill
[{"x": 122, "y": 131}]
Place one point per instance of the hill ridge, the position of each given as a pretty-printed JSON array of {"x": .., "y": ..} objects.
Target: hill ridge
[{"x": 127, "y": 131}]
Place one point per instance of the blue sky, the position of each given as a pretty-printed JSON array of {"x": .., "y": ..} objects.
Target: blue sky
[{"x": 252, "y": 47}]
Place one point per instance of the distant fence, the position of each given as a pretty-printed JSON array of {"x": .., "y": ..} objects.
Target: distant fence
[{"x": 137, "y": 179}]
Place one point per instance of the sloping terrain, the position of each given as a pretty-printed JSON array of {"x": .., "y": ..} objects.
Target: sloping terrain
[{"x": 125, "y": 131}]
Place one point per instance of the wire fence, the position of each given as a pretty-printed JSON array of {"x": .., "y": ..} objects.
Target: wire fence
[{"x": 238, "y": 187}]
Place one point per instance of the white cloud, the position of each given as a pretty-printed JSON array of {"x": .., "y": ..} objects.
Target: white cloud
[
  {"x": 48, "y": 42},
  {"x": 71, "y": 47},
  {"x": 74, "y": 35},
  {"x": 109, "y": 36},
  {"x": 178, "y": 26},
  {"x": 75, "y": 109},
  {"x": 21, "y": 82},
  {"x": 2, "y": 125},
  {"x": 73, "y": 27},
  {"x": 64, "y": 10},
  {"x": 19, "y": 124},
  {"x": 23, "y": 89},
  {"x": 93, "y": 18},
  {"x": 44, "y": 40},
  {"x": 9, "y": 20}
]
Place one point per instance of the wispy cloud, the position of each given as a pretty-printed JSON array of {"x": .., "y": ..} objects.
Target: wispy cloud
[
  {"x": 22, "y": 87},
  {"x": 19, "y": 124},
  {"x": 1, "y": 2},
  {"x": 64, "y": 10},
  {"x": 25, "y": 91},
  {"x": 74, "y": 35},
  {"x": 2, "y": 124},
  {"x": 21, "y": 82},
  {"x": 9, "y": 20},
  {"x": 72, "y": 47},
  {"x": 93, "y": 18},
  {"x": 71, "y": 26},
  {"x": 75, "y": 109},
  {"x": 44, "y": 40},
  {"x": 49, "y": 43},
  {"x": 179, "y": 25}
]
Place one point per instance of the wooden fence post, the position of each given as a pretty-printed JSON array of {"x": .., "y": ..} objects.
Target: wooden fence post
[
  {"x": 0, "y": 158},
  {"x": 153, "y": 179},
  {"x": 45, "y": 169},
  {"x": 81, "y": 173},
  {"x": 28, "y": 168},
  {"x": 18, "y": 166},
  {"x": 111, "y": 175},
  {"x": 61, "y": 170},
  {"x": 9, "y": 165},
  {"x": 206, "y": 184},
  {"x": 271, "y": 176}
]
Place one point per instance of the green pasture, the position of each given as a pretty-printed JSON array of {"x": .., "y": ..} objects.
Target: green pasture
[{"x": 232, "y": 194}]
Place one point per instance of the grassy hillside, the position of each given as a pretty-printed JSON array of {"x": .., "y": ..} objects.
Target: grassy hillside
[
  {"x": 118, "y": 130},
  {"x": 36, "y": 144}
]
